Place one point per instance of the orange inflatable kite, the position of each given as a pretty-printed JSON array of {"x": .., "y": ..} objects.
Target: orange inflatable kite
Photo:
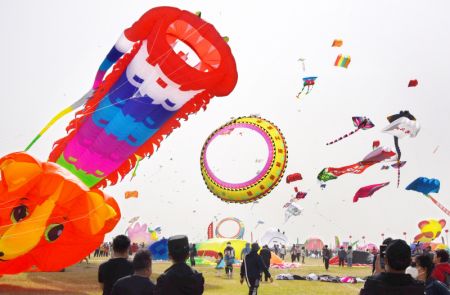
[{"x": 46, "y": 212}]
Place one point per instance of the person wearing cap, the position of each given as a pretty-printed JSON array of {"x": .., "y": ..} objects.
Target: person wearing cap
[
  {"x": 394, "y": 280},
  {"x": 139, "y": 283},
  {"x": 180, "y": 278},
  {"x": 251, "y": 269}
]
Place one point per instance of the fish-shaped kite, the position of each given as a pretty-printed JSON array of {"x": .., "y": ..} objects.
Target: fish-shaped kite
[{"x": 368, "y": 191}]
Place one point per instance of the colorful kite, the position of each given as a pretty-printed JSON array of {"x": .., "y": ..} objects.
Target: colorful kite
[
  {"x": 361, "y": 123},
  {"x": 413, "y": 83},
  {"x": 398, "y": 165},
  {"x": 131, "y": 194},
  {"x": 263, "y": 183},
  {"x": 160, "y": 250},
  {"x": 154, "y": 84},
  {"x": 337, "y": 43},
  {"x": 368, "y": 191},
  {"x": 138, "y": 233},
  {"x": 429, "y": 230},
  {"x": 401, "y": 125},
  {"x": 378, "y": 155},
  {"x": 293, "y": 177},
  {"x": 308, "y": 83},
  {"x": 48, "y": 218},
  {"x": 426, "y": 186},
  {"x": 342, "y": 61}
]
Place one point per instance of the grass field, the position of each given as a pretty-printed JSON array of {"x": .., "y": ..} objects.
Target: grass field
[{"x": 81, "y": 279}]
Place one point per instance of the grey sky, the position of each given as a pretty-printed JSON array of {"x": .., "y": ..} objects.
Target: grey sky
[{"x": 51, "y": 50}]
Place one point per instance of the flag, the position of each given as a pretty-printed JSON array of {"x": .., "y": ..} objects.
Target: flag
[{"x": 210, "y": 231}]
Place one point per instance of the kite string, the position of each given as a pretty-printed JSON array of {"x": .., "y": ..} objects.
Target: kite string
[
  {"x": 439, "y": 205},
  {"x": 90, "y": 212}
]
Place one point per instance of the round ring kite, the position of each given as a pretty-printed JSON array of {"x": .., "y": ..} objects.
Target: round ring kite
[
  {"x": 238, "y": 235},
  {"x": 263, "y": 183}
]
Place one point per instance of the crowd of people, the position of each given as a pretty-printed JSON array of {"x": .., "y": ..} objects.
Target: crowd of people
[{"x": 396, "y": 269}]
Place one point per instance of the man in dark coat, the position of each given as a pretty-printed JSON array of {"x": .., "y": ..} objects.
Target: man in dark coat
[
  {"x": 251, "y": 269},
  {"x": 266, "y": 255},
  {"x": 394, "y": 280},
  {"x": 179, "y": 279},
  {"x": 326, "y": 256}
]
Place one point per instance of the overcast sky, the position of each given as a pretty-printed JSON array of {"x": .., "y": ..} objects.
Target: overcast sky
[{"x": 51, "y": 51}]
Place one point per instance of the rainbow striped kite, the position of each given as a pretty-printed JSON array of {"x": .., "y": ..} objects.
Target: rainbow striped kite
[{"x": 342, "y": 61}]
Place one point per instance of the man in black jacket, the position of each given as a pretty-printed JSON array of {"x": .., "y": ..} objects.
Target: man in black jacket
[
  {"x": 179, "y": 279},
  {"x": 266, "y": 255},
  {"x": 394, "y": 280},
  {"x": 251, "y": 269}
]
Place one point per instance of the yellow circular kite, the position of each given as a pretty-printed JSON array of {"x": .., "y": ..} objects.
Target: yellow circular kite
[{"x": 266, "y": 180}]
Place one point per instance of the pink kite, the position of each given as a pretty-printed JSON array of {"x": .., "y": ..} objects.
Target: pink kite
[
  {"x": 368, "y": 191},
  {"x": 361, "y": 123}
]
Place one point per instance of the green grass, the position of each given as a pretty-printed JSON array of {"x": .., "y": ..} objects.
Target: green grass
[{"x": 81, "y": 279}]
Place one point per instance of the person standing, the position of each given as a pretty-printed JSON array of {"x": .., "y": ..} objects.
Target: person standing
[
  {"x": 192, "y": 254},
  {"x": 116, "y": 267},
  {"x": 265, "y": 256},
  {"x": 441, "y": 271},
  {"x": 425, "y": 267},
  {"x": 245, "y": 251},
  {"x": 342, "y": 255},
  {"x": 302, "y": 254},
  {"x": 326, "y": 256},
  {"x": 179, "y": 279},
  {"x": 229, "y": 256},
  {"x": 282, "y": 251},
  {"x": 139, "y": 283},
  {"x": 349, "y": 256},
  {"x": 393, "y": 279},
  {"x": 293, "y": 253},
  {"x": 251, "y": 269}
]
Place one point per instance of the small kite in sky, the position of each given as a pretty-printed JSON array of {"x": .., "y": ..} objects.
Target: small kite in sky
[
  {"x": 308, "y": 84},
  {"x": 368, "y": 191},
  {"x": 293, "y": 177},
  {"x": 131, "y": 194},
  {"x": 401, "y": 125},
  {"x": 361, "y": 123},
  {"x": 337, "y": 43},
  {"x": 413, "y": 83},
  {"x": 302, "y": 60},
  {"x": 342, "y": 61}
]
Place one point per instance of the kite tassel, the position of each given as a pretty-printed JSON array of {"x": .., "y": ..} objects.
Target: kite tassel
[
  {"x": 439, "y": 205},
  {"x": 342, "y": 137}
]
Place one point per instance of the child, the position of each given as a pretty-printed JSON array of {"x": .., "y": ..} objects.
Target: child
[{"x": 219, "y": 264}]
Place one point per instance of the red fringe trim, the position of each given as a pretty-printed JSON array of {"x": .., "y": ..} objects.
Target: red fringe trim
[{"x": 200, "y": 101}]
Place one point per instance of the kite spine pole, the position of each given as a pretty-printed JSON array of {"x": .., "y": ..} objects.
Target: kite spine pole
[
  {"x": 345, "y": 136},
  {"x": 440, "y": 206}
]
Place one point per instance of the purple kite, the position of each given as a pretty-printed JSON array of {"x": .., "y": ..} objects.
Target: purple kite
[
  {"x": 363, "y": 123},
  {"x": 368, "y": 191}
]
